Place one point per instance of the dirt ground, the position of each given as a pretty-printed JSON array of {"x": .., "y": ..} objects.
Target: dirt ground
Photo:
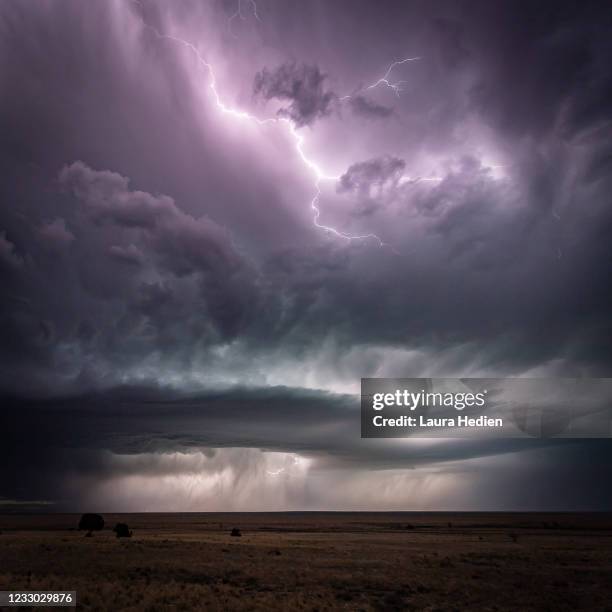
[{"x": 317, "y": 561}]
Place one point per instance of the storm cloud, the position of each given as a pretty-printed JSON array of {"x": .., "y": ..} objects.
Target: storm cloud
[
  {"x": 190, "y": 245},
  {"x": 365, "y": 107},
  {"x": 362, "y": 176},
  {"x": 303, "y": 86}
]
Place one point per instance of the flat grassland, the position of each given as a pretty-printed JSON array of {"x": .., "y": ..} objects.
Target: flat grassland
[{"x": 317, "y": 561}]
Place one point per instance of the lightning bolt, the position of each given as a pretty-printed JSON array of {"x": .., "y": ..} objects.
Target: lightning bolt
[
  {"x": 292, "y": 129},
  {"x": 278, "y": 472},
  {"x": 397, "y": 85},
  {"x": 384, "y": 80},
  {"x": 239, "y": 14}
]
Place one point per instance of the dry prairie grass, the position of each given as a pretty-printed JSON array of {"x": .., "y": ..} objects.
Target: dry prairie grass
[{"x": 327, "y": 561}]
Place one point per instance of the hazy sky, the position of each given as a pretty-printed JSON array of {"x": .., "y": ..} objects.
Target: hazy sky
[{"x": 218, "y": 216}]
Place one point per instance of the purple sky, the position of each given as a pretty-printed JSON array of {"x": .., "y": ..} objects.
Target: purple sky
[{"x": 174, "y": 309}]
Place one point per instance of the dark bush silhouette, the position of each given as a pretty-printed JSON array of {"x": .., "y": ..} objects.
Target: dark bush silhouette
[
  {"x": 236, "y": 533},
  {"x": 122, "y": 530},
  {"x": 91, "y": 522}
]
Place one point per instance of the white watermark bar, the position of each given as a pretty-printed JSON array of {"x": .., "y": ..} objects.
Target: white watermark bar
[
  {"x": 34, "y": 599},
  {"x": 486, "y": 407}
]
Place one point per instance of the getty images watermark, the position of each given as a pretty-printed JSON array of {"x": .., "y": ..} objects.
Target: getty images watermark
[{"x": 486, "y": 407}]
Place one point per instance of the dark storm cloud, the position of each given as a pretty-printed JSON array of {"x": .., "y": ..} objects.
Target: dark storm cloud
[
  {"x": 193, "y": 290},
  {"x": 362, "y": 176},
  {"x": 8, "y": 255},
  {"x": 549, "y": 70},
  {"x": 93, "y": 436},
  {"x": 450, "y": 46},
  {"x": 364, "y": 107},
  {"x": 149, "y": 432},
  {"x": 129, "y": 254},
  {"x": 56, "y": 234},
  {"x": 180, "y": 244},
  {"x": 303, "y": 85},
  {"x": 182, "y": 247},
  {"x": 483, "y": 261},
  {"x": 373, "y": 184}
]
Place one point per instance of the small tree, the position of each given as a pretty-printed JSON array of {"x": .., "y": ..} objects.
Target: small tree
[
  {"x": 91, "y": 522},
  {"x": 122, "y": 530}
]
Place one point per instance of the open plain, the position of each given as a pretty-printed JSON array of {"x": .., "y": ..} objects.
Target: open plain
[{"x": 316, "y": 561}]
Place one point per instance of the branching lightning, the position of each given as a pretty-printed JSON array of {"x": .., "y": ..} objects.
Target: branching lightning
[
  {"x": 319, "y": 174},
  {"x": 397, "y": 85},
  {"x": 240, "y": 14}
]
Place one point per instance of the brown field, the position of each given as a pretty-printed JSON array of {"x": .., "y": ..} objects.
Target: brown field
[{"x": 317, "y": 561}]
